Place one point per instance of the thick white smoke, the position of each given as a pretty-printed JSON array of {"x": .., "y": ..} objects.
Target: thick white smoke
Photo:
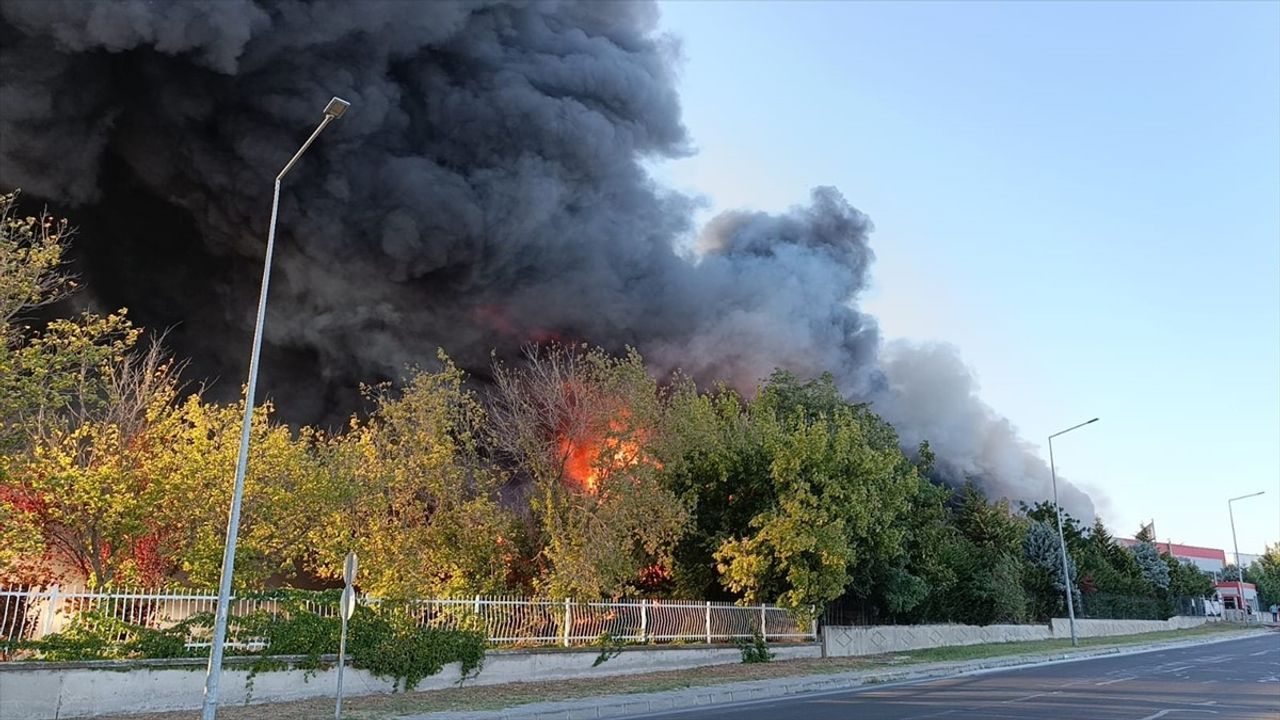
[{"x": 929, "y": 394}]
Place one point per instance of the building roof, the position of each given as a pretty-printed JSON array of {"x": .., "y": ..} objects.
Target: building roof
[{"x": 1183, "y": 551}]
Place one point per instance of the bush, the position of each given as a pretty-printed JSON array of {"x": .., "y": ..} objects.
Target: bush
[
  {"x": 755, "y": 650},
  {"x": 387, "y": 642},
  {"x": 94, "y": 635},
  {"x": 384, "y": 640}
]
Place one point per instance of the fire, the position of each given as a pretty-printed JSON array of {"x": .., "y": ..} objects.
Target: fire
[{"x": 588, "y": 461}]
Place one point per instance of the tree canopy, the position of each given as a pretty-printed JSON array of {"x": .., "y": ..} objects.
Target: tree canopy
[{"x": 573, "y": 472}]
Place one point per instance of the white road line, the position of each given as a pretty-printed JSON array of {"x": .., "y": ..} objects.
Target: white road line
[
  {"x": 1162, "y": 713},
  {"x": 1117, "y": 680},
  {"x": 1027, "y": 697}
]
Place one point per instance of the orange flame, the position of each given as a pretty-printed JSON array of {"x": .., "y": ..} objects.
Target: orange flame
[{"x": 590, "y": 460}]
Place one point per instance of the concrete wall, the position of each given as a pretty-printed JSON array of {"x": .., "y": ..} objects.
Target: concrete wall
[
  {"x": 1105, "y": 628},
  {"x": 44, "y": 691},
  {"x": 877, "y": 639}
]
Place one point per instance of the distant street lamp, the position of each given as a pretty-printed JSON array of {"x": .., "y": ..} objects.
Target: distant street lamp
[
  {"x": 1062, "y": 540},
  {"x": 1240, "y": 603},
  {"x": 333, "y": 111}
]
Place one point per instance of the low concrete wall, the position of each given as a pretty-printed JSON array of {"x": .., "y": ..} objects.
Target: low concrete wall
[
  {"x": 45, "y": 691},
  {"x": 1106, "y": 628},
  {"x": 878, "y": 639}
]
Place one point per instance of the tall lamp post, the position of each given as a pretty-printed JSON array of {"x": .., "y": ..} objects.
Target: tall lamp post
[
  {"x": 1062, "y": 539},
  {"x": 1240, "y": 603},
  {"x": 334, "y": 110}
]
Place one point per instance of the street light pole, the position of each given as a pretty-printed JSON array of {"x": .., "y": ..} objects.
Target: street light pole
[
  {"x": 1240, "y": 603},
  {"x": 1062, "y": 539},
  {"x": 332, "y": 111}
]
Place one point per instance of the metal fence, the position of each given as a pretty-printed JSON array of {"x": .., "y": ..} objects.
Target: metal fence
[{"x": 29, "y": 613}]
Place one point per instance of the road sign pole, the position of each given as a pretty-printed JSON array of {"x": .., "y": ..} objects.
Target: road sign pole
[{"x": 346, "y": 608}]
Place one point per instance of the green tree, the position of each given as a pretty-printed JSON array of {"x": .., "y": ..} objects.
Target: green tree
[
  {"x": 1045, "y": 582},
  {"x": 60, "y": 368},
  {"x": 102, "y": 457},
  {"x": 1045, "y": 512},
  {"x": 1109, "y": 569},
  {"x": 1186, "y": 580},
  {"x": 715, "y": 461},
  {"x": 1153, "y": 568},
  {"x": 986, "y": 560},
  {"x": 1265, "y": 574},
  {"x": 989, "y": 525},
  {"x": 414, "y": 495},
  {"x": 829, "y": 509},
  {"x": 921, "y": 577}
]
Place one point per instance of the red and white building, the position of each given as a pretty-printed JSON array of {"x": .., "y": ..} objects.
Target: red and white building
[
  {"x": 1210, "y": 560},
  {"x": 1214, "y": 561},
  {"x": 1229, "y": 594}
]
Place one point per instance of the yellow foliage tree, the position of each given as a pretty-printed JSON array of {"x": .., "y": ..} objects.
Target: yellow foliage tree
[{"x": 416, "y": 499}]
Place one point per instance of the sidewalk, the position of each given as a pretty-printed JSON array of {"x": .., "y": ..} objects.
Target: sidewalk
[{"x": 640, "y": 703}]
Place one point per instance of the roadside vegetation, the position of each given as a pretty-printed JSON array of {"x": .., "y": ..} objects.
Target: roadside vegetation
[{"x": 571, "y": 474}]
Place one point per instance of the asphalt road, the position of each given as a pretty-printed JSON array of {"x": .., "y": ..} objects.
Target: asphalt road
[{"x": 1237, "y": 680}]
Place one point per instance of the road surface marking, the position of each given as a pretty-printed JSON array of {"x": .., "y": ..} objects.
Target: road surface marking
[
  {"x": 1162, "y": 713},
  {"x": 1027, "y": 697},
  {"x": 1117, "y": 680}
]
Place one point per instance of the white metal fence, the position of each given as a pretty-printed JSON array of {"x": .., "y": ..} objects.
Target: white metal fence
[{"x": 28, "y": 613}]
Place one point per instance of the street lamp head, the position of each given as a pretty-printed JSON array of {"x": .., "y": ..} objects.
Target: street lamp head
[
  {"x": 336, "y": 107},
  {"x": 1242, "y": 497},
  {"x": 1073, "y": 427}
]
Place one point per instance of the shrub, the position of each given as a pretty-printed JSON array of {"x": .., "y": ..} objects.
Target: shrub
[
  {"x": 94, "y": 635},
  {"x": 755, "y": 650},
  {"x": 387, "y": 642}
]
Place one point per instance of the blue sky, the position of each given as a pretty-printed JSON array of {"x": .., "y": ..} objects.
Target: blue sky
[{"x": 1083, "y": 197}]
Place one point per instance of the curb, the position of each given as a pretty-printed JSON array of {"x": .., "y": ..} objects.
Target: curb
[{"x": 753, "y": 691}]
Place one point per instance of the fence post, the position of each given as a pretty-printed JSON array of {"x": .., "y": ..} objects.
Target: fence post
[
  {"x": 644, "y": 621},
  {"x": 764, "y": 626},
  {"x": 708, "y": 622},
  {"x": 568, "y": 619},
  {"x": 50, "y": 611}
]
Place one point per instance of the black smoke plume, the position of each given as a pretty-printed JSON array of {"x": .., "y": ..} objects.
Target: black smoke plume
[{"x": 486, "y": 189}]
